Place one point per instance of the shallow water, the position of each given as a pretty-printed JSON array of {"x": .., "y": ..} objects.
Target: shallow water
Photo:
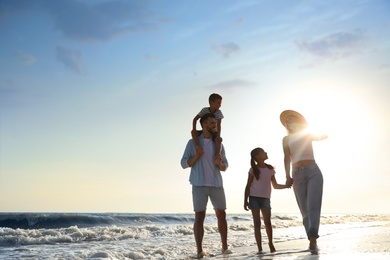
[{"x": 145, "y": 236}]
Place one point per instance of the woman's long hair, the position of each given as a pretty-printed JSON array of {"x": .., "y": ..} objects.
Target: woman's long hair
[{"x": 256, "y": 170}]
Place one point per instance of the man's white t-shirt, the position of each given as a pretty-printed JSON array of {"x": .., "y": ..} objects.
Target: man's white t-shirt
[{"x": 208, "y": 162}]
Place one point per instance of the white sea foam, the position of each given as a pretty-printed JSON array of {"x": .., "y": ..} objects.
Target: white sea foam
[{"x": 156, "y": 236}]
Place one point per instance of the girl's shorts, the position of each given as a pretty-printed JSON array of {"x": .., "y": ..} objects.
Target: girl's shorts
[{"x": 259, "y": 203}]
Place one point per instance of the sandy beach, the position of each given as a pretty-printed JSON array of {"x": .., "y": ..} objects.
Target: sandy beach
[{"x": 355, "y": 243}]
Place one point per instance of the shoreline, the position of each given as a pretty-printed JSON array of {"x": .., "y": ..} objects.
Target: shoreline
[{"x": 354, "y": 243}]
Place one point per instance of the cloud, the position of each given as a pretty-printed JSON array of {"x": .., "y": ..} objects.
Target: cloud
[
  {"x": 233, "y": 84},
  {"x": 8, "y": 8},
  {"x": 72, "y": 59},
  {"x": 384, "y": 66},
  {"x": 334, "y": 46},
  {"x": 80, "y": 21},
  {"x": 150, "y": 57},
  {"x": 8, "y": 86},
  {"x": 226, "y": 49},
  {"x": 25, "y": 58},
  {"x": 89, "y": 21}
]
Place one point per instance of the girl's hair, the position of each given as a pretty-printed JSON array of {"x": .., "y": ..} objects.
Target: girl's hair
[{"x": 256, "y": 170}]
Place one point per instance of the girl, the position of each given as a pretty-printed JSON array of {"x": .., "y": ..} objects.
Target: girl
[
  {"x": 258, "y": 189},
  {"x": 308, "y": 180}
]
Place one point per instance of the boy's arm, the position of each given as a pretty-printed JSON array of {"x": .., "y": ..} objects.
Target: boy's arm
[
  {"x": 194, "y": 132},
  {"x": 194, "y": 121},
  {"x": 219, "y": 127}
]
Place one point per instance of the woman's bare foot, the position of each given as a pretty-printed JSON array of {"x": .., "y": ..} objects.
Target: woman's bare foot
[
  {"x": 271, "y": 247},
  {"x": 313, "y": 243}
]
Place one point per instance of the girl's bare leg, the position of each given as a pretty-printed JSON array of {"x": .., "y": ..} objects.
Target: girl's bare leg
[
  {"x": 268, "y": 228},
  {"x": 257, "y": 226}
]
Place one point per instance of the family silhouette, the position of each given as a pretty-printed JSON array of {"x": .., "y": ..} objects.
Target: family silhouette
[{"x": 205, "y": 155}]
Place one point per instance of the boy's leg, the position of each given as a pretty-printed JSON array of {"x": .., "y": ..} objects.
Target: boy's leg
[
  {"x": 195, "y": 134},
  {"x": 218, "y": 142}
]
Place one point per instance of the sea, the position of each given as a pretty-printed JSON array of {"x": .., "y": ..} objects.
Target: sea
[{"x": 146, "y": 236}]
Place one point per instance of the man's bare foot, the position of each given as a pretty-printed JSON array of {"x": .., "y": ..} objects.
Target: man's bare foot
[
  {"x": 227, "y": 251},
  {"x": 260, "y": 252},
  {"x": 201, "y": 255},
  {"x": 271, "y": 247}
]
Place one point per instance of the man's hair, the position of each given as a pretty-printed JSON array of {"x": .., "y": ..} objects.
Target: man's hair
[
  {"x": 214, "y": 97},
  {"x": 205, "y": 117}
]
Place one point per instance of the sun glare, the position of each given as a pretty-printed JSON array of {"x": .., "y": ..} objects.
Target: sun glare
[{"x": 336, "y": 115}]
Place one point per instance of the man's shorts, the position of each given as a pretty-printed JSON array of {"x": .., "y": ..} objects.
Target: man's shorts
[
  {"x": 201, "y": 194},
  {"x": 259, "y": 203}
]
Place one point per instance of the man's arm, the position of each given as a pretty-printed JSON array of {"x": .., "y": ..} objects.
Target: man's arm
[
  {"x": 190, "y": 156},
  {"x": 221, "y": 161},
  {"x": 191, "y": 161}
]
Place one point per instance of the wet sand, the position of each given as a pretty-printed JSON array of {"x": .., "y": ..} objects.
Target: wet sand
[{"x": 354, "y": 243}]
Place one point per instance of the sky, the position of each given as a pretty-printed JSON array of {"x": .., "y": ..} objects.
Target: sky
[{"x": 97, "y": 99}]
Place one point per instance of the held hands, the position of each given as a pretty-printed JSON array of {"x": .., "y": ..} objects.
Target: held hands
[{"x": 289, "y": 182}]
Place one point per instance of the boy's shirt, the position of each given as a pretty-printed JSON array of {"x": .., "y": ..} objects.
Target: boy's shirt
[{"x": 218, "y": 114}]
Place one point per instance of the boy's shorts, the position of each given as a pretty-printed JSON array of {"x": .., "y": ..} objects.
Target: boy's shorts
[
  {"x": 201, "y": 194},
  {"x": 259, "y": 203}
]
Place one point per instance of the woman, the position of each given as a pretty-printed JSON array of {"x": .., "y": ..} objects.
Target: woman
[{"x": 306, "y": 176}]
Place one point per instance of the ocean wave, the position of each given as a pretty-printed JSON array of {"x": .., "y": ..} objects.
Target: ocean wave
[
  {"x": 74, "y": 234},
  {"x": 145, "y": 227},
  {"x": 62, "y": 220},
  {"x": 81, "y": 220}
]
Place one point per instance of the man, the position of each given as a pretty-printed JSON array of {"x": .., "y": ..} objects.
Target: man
[{"x": 206, "y": 181}]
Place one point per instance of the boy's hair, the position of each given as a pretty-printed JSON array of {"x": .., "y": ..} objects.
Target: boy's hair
[
  {"x": 214, "y": 97},
  {"x": 205, "y": 117}
]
